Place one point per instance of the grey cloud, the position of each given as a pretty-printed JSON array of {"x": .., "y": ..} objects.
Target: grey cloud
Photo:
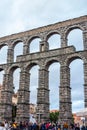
[{"x": 34, "y": 14}]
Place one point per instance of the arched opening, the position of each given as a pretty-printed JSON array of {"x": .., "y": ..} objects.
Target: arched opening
[
  {"x": 1, "y": 77},
  {"x": 3, "y": 54},
  {"x": 33, "y": 91},
  {"x": 76, "y": 83},
  {"x": 75, "y": 38},
  {"x": 35, "y": 45},
  {"x": 18, "y": 50},
  {"x": 54, "y": 81},
  {"x": 54, "y": 41},
  {"x": 33, "y": 84},
  {"x": 16, "y": 79}
]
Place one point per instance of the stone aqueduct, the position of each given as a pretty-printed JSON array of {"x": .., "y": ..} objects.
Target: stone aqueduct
[{"x": 44, "y": 58}]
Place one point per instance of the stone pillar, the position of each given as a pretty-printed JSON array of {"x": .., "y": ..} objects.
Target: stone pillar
[
  {"x": 85, "y": 83},
  {"x": 85, "y": 40},
  {"x": 25, "y": 49},
  {"x": 10, "y": 55},
  {"x": 6, "y": 99},
  {"x": 85, "y": 88},
  {"x": 44, "y": 46},
  {"x": 23, "y": 97},
  {"x": 65, "y": 113},
  {"x": 43, "y": 97},
  {"x": 63, "y": 41}
]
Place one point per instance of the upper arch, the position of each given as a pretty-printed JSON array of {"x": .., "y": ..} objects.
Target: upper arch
[
  {"x": 73, "y": 57},
  {"x": 30, "y": 65},
  {"x": 49, "y": 34},
  {"x": 31, "y": 38},
  {"x": 1, "y": 69},
  {"x": 3, "y": 44},
  {"x": 72, "y": 28},
  {"x": 13, "y": 68},
  {"x": 50, "y": 61},
  {"x": 15, "y": 42}
]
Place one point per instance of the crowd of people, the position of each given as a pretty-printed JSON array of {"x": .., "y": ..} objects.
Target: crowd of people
[{"x": 25, "y": 125}]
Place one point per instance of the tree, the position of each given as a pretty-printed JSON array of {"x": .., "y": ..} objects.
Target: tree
[{"x": 54, "y": 116}]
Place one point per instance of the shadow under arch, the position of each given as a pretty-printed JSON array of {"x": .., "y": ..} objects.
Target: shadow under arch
[
  {"x": 29, "y": 66},
  {"x": 69, "y": 29},
  {"x": 15, "y": 42},
  {"x": 31, "y": 41},
  {"x": 74, "y": 57},
  {"x": 49, "y": 62},
  {"x": 1, "y": 69},
  {"x": 52, "y": 33},
  {"x": 12, "y": 68},
  {"x": 2, "y": 45}
]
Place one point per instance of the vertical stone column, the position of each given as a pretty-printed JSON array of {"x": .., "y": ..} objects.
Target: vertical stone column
[
  {"x": 85, "y": 88},
  {"x": 85, "y": 83},
  {"x": 65, "y": 113},
  {"x": 25, "y": 49},
  {"x": 85, "y": 39},
  {"x": 10, "y": 55},
  {"x": 23, "y": 97},
  {"x": 44, "y": 46},
  {"x": 6, "y": 99},
  {"x": 43, "y": 96},
  {"x": 26, "y": 46},
  {"x": 63, "y": 41}
]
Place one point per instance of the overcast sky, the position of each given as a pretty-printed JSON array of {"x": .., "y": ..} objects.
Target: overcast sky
[{"x": 22, "y": 15}]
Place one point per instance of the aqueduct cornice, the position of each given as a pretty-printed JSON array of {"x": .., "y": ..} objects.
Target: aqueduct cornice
[{"x": 61, "y": 25}]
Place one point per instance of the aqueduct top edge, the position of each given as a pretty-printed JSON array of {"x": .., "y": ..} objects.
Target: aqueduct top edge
[{"x": 45, "y": 28}]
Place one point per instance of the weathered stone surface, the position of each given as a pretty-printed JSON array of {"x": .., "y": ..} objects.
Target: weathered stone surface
[{"x": 43, "y": 58}]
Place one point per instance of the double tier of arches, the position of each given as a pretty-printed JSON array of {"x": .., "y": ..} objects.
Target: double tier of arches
[{"x": 43, "y": 55}]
